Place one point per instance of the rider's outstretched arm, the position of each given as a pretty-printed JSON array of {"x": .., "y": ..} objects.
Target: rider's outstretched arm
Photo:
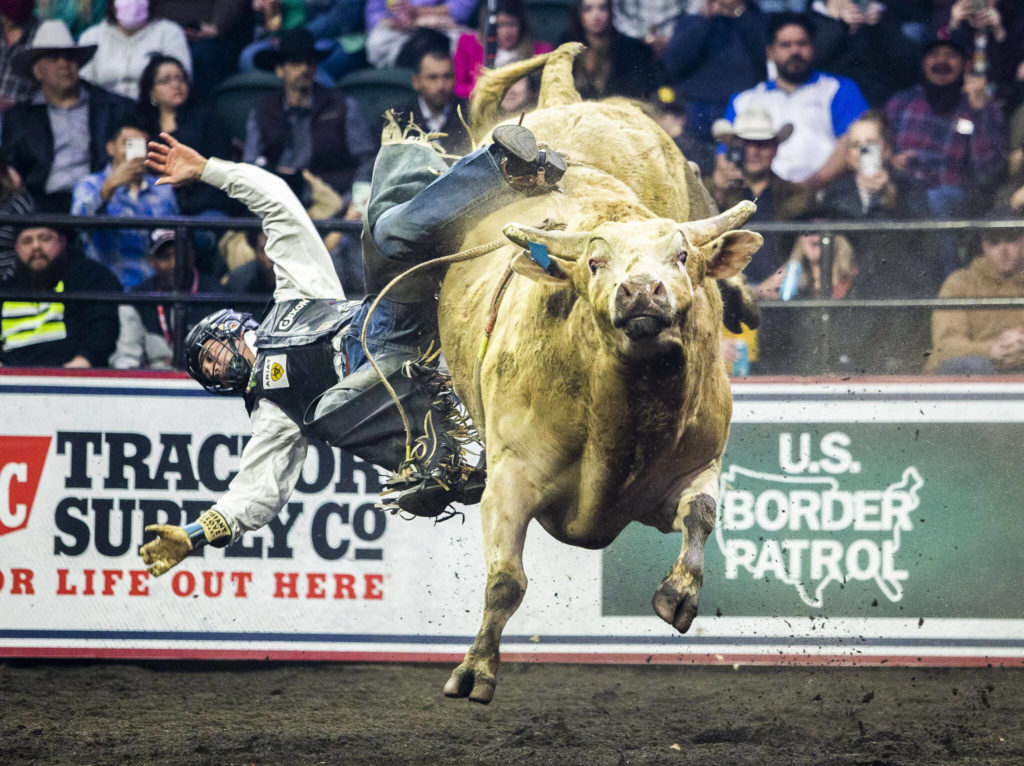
[{"x": 302, "y": 265}]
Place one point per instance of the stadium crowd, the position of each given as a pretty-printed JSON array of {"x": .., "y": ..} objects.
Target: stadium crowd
[{"x": 821, "y": 111}]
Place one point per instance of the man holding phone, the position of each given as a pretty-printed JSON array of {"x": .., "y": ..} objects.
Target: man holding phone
[
  {"x": 744, "y": 171},
  {"x": 123, "y": 188}
]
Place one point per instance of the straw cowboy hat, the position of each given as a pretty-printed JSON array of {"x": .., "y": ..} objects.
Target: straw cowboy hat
[
  {"x": 52, "y": 38},
  {"x": 755, "y": 124}
]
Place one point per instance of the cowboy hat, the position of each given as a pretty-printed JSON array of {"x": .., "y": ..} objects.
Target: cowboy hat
[
  {"x": 291, "y": 44},
  {"x": 52, "y": 38},
  {"x": 754, "y": 124}
]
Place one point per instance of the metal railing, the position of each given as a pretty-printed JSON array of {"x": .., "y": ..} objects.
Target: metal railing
[{"x": 180, "y": 298}]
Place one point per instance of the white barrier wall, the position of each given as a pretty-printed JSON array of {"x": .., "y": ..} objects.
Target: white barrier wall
[{"x": 86, "y": 462}]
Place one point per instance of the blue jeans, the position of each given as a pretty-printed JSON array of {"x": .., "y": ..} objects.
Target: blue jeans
[
  {"x": 946, "y": 203},
  {"x": 436, "y": 219},
  {"x": 432, "y": 221},
  {"x": 967, "y": 365}
]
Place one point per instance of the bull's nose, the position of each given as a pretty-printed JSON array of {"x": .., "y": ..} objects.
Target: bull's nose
[{"x": 633, "y": 289}]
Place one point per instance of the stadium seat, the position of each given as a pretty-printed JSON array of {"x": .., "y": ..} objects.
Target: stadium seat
[
  {"x": 234, "y": 97},
  {"x": 378, "y": 90},
  {"x": 549, "y": 19}
]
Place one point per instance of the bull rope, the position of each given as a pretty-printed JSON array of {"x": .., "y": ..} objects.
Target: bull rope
[{"x": 464, "y": 255}]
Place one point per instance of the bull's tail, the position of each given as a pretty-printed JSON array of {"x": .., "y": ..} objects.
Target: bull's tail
[{"x": 556, "y": 86}]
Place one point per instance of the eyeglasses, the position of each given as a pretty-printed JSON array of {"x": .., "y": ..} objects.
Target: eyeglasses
[{"x": 170, "y": 79}]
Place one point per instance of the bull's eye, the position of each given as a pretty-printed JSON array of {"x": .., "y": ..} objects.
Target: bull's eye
[
  {"x": 681, "y": 258},
  {"x": 595, "y": 264}
]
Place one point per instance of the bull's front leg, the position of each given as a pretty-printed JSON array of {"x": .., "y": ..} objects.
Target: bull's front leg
[
  {"x": 676, "y": 599},
  {"x": 505, "y": 512}
]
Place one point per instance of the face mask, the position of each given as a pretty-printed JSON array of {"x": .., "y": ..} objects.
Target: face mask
[{"x": 131, "y": 14}]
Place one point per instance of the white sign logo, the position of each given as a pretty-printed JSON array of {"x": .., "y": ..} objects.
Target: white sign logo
[{"x": 786, "y": 525}]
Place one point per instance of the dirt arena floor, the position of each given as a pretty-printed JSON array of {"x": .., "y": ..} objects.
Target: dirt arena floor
[{"x": 321, "y": 713}]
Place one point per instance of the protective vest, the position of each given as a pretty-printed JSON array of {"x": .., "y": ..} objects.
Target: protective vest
[
  {"x": 26, "y": 323},
  {"x": 295, "y": 358}
]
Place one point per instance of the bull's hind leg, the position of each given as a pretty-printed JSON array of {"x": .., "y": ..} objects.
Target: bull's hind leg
[
  {"x": 676, "y": 599},
  {"x": 504, "y": 516}
]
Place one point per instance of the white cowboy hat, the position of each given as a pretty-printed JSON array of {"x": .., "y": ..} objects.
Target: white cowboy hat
[
  {"x": 755, "y": 124},
  {"x": 51, "y": 38}
]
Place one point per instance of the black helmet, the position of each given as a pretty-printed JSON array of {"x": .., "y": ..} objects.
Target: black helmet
[{"x": 227, "y": 327}]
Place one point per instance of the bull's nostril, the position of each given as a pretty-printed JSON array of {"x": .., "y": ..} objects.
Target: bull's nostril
[
  {"x": 658, "y": 289},
  {"x": 624, "y": 291}
]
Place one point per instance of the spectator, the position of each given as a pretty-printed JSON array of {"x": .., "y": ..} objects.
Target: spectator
[
  {"x": 650, "y": 21},
  {"x": 146, "y": 337},
  {"x": 166, "y": 106},
  {"x": 326, "y": 20},
  {"x": 255, "y": 277},
  {"x": 436, "y": 108},
  {"x": 18, "y": 27},
  {"x": 60, "y": 135},
  {"x": 123, "y": 189},
  {"x": 13, "y": 201},
  {"x": 612, "y": 64},
  {"x": 983, "y": 342},
  {"x": 513, "y": 39},
  {"x": 77, "y": 15},
  {"x": 893, "y": 264},
  {"x": 820, "y": 106},
  {"x": 304, "y": 125},
  {"x": 805, "y": 263},
  {"x": 983, "y": 27},
  {"x": 235, "y": 249},
  {"x": 43, "y": 334},
  {"x": 865, "y": 45},
  {"x": 810, "y": 342},
  {"x": 746, "y": 172},
  {"x": 125, "y": 41},
  {"x": 216, "y": 31},
  {"x": 713, "y": 54},
  {"x": 950, "y": 136},
  {"x": 391, "y": 25}
]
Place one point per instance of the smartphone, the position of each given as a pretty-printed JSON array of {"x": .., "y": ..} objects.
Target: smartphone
[
  {"x": 863, "y": 5},
  {"x": 734, "y": 153},
  {"x": 870, "y": 158},
  {"x": 134, "y": 148}
]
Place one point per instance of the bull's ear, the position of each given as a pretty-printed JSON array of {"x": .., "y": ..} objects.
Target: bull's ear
[
  {"x": 524, "y": 265},
  {"x": 731, "y": 252},
  {"x": 559, "y": 244}
]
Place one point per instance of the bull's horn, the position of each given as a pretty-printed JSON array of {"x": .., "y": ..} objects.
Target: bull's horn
[
  {"x": 560, "y": 243},
  {"x": 702, "y": 232}
]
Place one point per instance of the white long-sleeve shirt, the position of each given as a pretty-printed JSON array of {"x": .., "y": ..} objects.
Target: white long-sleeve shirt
[{"x": 272, "y": 460}]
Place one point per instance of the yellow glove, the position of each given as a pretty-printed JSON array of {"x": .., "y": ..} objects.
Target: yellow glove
[
  {"x": 170, "y": 546},
  {"x": 174, "y": 543}
]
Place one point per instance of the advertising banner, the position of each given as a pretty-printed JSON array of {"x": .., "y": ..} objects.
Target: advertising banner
[{"x": 857, "y": 523}]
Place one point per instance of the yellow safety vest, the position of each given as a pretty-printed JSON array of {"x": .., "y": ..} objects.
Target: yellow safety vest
[{"x": 26, "y": 324}]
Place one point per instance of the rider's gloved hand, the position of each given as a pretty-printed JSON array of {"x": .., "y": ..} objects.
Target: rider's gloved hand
[{"x": 174, "y": 543}]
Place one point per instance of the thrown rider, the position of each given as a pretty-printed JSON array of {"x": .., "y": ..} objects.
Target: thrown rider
[{"x": 302, "y": 371}]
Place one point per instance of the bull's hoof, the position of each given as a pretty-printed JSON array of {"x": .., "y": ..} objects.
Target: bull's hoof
[
  {"x": 676, "y": 608},
  {"x": 467, "y": 682}
]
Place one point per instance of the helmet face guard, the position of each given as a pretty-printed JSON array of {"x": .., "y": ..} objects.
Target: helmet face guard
[{"x": 212, "y": 352}]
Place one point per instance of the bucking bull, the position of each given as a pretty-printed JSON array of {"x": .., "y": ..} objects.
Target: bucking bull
[{"x": 601, "y": 398}]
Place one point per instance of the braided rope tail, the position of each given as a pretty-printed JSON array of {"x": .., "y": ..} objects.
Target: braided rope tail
[{"x": 464, "y": 255}]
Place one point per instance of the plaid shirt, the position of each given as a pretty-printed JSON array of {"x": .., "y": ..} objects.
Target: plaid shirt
[
  {"x": 123, "y": 251},
  {"x": 961, "y": 149},
  {"x": 14, "y": 87}
]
